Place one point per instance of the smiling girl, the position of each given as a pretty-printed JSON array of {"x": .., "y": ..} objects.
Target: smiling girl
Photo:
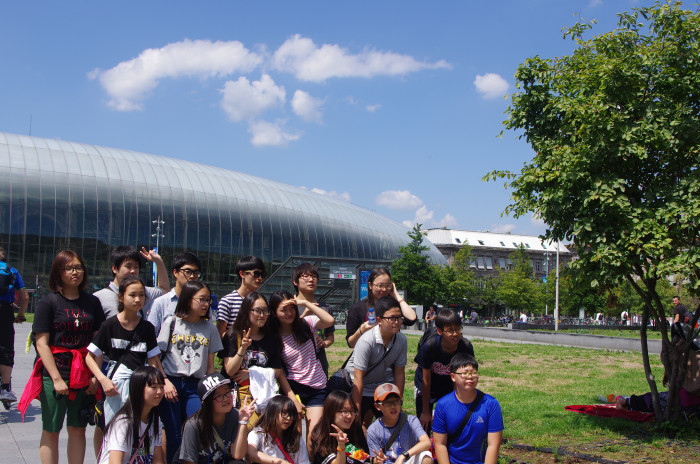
[{"x": 189, "y": 341}]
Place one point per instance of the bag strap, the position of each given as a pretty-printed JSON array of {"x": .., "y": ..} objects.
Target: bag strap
[
  {"x": 217, "y": 437},
  {"x": 472, "y": 407},
  {"x": 170, "y": 337},
  {"x": 386, "y": 352},
  {"x": 143, "y": 437},
  {"x": 128, "y": 347},
  {"x": 395, "y": 433},
  {"x": 279, "y": 445}
]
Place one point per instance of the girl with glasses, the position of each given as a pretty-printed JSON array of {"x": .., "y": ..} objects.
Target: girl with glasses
[
  {"x": 134, "y": 435},
  {"x": 379, "y": 284},
  {"x": 189, "y": 342},
  {"x": 249, "y": 342},
  {"x": 65, "y": 322},
  {"x": 277, "y": 438},
  {"x": 304, "y": 371},
  {"x": 338, "y": 438},
  {"x": 217, "y": 433}
]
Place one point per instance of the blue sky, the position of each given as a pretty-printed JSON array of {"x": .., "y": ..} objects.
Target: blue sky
[{"x": 395, "y": 106}]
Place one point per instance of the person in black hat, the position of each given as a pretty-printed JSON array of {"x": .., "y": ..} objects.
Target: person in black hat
[{"x": 218, "y": 432}]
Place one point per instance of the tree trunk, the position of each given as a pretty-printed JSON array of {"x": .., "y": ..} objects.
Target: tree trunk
[{"x": 647, "y": 367}]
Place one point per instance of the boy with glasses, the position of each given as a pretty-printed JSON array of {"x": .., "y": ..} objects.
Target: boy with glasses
[
  {"x": 380, "y": 356},
  {"x": 467, "y": 419},
  {"x": 433, "y": 359},
  {"x": 396, "y": 435},
  {"x": 251, "y": 271},
  {"x": 186, "y": 267},
  {"x": 305, "y": 281}
]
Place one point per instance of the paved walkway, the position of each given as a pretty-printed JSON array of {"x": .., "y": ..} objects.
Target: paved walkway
[{"x": 19, "y": 442}]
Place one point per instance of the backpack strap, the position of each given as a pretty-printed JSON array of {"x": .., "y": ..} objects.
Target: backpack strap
[
  {"x": 472, "y": 407},
  {"x": 395, "y": 433}
]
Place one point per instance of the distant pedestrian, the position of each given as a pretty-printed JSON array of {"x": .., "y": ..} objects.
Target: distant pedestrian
[
  {"x": 474, "y": 317},
  {"x": 625, "y": 317},
  {"x": 523, "y": 318},
  {"x": 11, "y": 284},
  {"x": 681, "y": 313},
  {"x": 430, "y": 319},
  {"x": 599, "y": 318}
]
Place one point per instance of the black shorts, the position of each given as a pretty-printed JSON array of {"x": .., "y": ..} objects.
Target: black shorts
[{"x": 7, "y": 334}]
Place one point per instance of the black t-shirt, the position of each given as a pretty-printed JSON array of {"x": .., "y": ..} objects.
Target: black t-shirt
[
  {"x": 431, "y": 356},
  {"x": 112, "y": 340},
  {"x": 69, "y": 323},
  {"x": 681, "y": 310},
  {"x": 266, "y": 352},
  {"x": 357, "y": 315}
]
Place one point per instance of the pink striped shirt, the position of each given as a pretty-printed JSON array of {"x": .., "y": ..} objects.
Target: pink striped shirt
[{"x": 302, "y": 363}]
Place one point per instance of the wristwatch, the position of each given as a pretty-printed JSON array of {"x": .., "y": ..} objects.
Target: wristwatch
[{"x": 405, "y": 456}]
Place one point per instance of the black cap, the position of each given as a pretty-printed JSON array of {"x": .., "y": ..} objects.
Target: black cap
[{"x": 210, "y": 383}]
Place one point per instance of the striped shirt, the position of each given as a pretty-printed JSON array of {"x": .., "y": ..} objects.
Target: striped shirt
[
  {"x": 229, "y": 307},
  {"x": 302, "y": 363}
]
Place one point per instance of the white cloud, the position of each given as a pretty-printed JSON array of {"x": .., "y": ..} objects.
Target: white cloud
[
  {"x": 491, "y": 85},
  {"x": 307, "y": 107},
  {"x": 401, "y": 200},
  {"x": 502, "y": 228},
  {"x": 308, "y": 62},
  {"x": 129, "y": 82},
  {"x": 344, "y": 196},
  {"x": 448, "y": 221},
  {"x": 537, "y": 222},
  {"x": 270, "y": 134},
  {"x": 373, "y": 108},
  {"x": 245, "y": 100},
  {"x": 425, "y": 217}
]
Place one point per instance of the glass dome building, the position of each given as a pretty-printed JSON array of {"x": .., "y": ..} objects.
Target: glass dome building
[{"x": 57, "y": 194}]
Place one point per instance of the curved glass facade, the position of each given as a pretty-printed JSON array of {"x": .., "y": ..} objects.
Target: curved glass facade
[{"x": 57, "y": 194}]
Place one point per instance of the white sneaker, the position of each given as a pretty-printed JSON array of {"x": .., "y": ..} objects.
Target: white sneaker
[{"x": 7, "y": 395}]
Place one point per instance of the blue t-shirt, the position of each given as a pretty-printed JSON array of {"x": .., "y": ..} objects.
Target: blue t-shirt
[
  {"x": 377, "y": 436},
  {"x": 17, "y": 284},
  {"x": 449, "y": 412}
]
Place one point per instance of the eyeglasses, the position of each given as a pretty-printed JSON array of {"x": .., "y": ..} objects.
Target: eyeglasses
[
  {"x": 203, "y": 301},
  {"x": 452, "y": 331},
  {"x": 347, "y": 412},
  {"x": 286, "y": 415},
  {"x": 390, "y": 403},
  {"x": 393, "y": 319},
  {"x": 382, "y": 286},
  {"x": 223, "y": 396},
  {"x": 70, "y": 270},
  {"x": 308, "y": 277},
  {"x": 189, "y": 273},
  {"x": 260, "y": 311},
  {"x": 257, "y": 274},
  {"x": 468, "y": 375}
]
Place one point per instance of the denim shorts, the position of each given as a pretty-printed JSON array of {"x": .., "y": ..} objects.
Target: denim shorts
[{"x": 310, "y": 397}]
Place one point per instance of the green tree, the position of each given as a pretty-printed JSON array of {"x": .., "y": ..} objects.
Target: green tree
[
  {"x": 517, "y": 287},
  {"x": 614, "y": 128},
  {"x": 413, "y": 272},
  {"x": 457, "y": 280}
]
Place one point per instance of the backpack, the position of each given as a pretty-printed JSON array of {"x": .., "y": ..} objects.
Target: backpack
[{"x": 7, "y": 279}]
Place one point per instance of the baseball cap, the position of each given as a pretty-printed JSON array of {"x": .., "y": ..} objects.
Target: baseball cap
[
  {"x": 210, "y": 383},
  {"x": 384, "y": 390}
]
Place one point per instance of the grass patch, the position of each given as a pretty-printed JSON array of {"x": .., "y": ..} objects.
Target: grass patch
[
  {"x": 591, "y": 330},
  {"x": 533, "y": 383}
]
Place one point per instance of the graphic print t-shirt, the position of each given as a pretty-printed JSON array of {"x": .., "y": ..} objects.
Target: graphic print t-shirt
[
  {"x": 191, "y": 448},
  {"x": 190, "y": 346},
  {"x": 69, "y": 323},
  {"x": 112, "y": 340}
]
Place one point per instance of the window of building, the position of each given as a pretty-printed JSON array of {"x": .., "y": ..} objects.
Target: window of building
[
  {"x": 538, "y": 266},
  {"x": 480, "y": 260},
  {"x": 503, "y": 244},
  {"x": 515, "y": 245},
  {"x": 457, "y": 240},
  {"x": 481, "y": 242},
  {"x": 472, "y": 262},
  {"x": 510, "y": 264},
  {"x": 527, "y": 245},
  {"x": 489, "y": 262},
  {"x": 502, "y": 262}
]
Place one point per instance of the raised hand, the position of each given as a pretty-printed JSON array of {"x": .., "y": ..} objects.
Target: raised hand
[
  {"x": 246, "y": 340},
  {"x": 379, "y": 457},
  {"x": 247, "y": 409},
  {"x": 341, "y": 436}
]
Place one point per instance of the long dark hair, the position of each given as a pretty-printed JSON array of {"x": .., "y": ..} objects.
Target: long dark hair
[
  {"x": 300, "y": 329},
  {"x": 322, "y": 444},
  {"x": 131, "y": 411},
  {"x": 184, "y": 301},
  {"x": 242, "y": 322},
  {"x": 204, "y": 422},
  {"x": 270, "y": 419}
]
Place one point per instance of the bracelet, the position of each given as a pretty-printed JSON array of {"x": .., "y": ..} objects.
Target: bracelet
[
  {"x": 340, "y": 449},
  {"x": 361, "y": 332},
  {"x": 242, "y": 356},
  {"x": 243, "y": 422}
]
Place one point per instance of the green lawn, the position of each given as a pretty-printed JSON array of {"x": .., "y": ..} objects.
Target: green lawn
[
  {"x": 591, "y": 330},
  {"x": 533, "y": 383}
]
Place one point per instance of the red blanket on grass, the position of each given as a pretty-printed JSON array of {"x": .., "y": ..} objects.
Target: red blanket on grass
[{"x": 608, "y": 410}]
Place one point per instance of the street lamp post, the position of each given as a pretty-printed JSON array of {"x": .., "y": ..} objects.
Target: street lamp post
[{"x": 158, "y": 236}]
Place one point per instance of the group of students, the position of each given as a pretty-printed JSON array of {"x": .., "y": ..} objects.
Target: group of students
[{"x": 138, "y": 345}]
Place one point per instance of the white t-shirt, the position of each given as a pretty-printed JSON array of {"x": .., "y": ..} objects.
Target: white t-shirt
[
  {"x": 523, "y": 317},
  {"x": 117, "y": 439},
  {"x": 257, "y": 438}
]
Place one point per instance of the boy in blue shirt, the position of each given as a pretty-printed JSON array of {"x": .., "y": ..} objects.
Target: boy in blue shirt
[
  {"x": 396, "y": 436},
  {"x": 460, "y": 442}
]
